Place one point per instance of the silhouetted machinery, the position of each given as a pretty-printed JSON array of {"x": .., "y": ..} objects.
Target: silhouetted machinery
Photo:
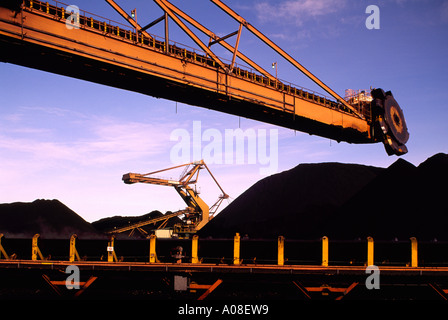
[
  {"x": 195, "y": 216},
  {"x": 389, "y": 117},
  {"x": 387, "y": 123}
]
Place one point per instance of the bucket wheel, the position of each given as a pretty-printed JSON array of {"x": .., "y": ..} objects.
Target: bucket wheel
[{"x": 390, "y": 119}]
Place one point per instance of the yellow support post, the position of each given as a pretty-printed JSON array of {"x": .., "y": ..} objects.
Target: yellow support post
[
  {"x": 414, "y": 252},
  {"x": 2, "y": 250},
  {"x": 194, "y": 250},
  {"x": 35, "y": 251},
  {"x": 111, "y": 256},
  {"x": 370, "y": 260},
  {"x": 236, "y": 249},
  {"x": 325, "y": 252},
  {"x": 152, "y": 249},
  {"x": 281, "y": 251},
  {"x": 73, "y": 252}
]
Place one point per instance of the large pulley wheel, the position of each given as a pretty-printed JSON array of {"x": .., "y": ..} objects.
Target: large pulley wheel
[
  {"x": 391, "y": 120},
  {"x": 393, "y": 115}
]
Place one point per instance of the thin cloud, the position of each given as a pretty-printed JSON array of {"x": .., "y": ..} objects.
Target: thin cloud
[
  {"x": 54, "y": 111},
  {"x": 444, "y": 12},
  {"x": 296, "y": 12},
  {"x": 91, "y": 142}
]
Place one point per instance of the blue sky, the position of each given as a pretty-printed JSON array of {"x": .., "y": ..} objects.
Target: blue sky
[{"x": 72, "y": 140}]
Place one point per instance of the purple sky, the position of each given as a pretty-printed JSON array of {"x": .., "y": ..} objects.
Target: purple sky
[{"x": 72, "y": 140}]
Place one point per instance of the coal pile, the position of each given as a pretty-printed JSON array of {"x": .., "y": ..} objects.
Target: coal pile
[
  {"x": 294, "y": 203},
  {"x": 403, "y": 201},
  {"x": 342, "y": 201},
  {"x": 50, "y": 218}
]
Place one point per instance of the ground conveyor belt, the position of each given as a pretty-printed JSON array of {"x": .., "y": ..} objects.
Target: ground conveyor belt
[{"x": 297, "y": 270}]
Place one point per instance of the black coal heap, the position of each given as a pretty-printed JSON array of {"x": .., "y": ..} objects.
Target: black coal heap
[
  {"x": 342, "y": 201},
  {"x": 50, "y": 218}
]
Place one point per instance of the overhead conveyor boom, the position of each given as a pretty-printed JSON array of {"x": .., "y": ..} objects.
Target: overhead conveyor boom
[{"x": 34, "y": 34}]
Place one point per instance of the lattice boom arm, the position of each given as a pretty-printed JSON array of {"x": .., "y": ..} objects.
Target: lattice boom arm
[{"x": 130, "y": 178}]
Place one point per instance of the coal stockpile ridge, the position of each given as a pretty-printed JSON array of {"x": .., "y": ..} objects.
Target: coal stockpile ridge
[
  {"x": 294, "y": 203},
  {"x": 342, "y": 201},
  {"x": 49, "y": 218},
  {"x": 403, "y": 201}
]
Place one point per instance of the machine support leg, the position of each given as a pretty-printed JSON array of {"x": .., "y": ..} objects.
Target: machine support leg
[
  {"x": 236, "y": 249},
  {"x": 370, "y": 259},
  {"x": 194, "y": 249},
  {"x": 111, "y": 255},
  {"x": 2, "y": 250},
  {"x": 152, "y": 249},
  {"x": 35, "y": 251},
  {"x": 325, "y": 252},
  {"x": 73, "y": 252},
  {"x": 281, "y": 251},
  {"x": 414, "y": 253}
]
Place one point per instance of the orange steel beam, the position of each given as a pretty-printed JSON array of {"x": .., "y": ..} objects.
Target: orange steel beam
[
  {"x": 440, "y": 291},
  {"x": 285, "y": 55},
  {"x": 210, "y": 289},
  {"x": 101, "y": 53},
  {"x": 236, "y": 46},
  {"x": 304, "y": 290},
  {"x": 400, "y": 271}
]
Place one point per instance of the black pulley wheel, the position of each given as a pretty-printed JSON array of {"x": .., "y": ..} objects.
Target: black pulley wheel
[{"x": 393, "y": 115}]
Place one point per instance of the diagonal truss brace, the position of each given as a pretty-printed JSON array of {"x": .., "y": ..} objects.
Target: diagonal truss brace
[
  {"x": 286, "y": 56},
  {"x": 131, "y": 21},
  {"x": 162, "y": 4},
  {"x": 215, "y": 39}
]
